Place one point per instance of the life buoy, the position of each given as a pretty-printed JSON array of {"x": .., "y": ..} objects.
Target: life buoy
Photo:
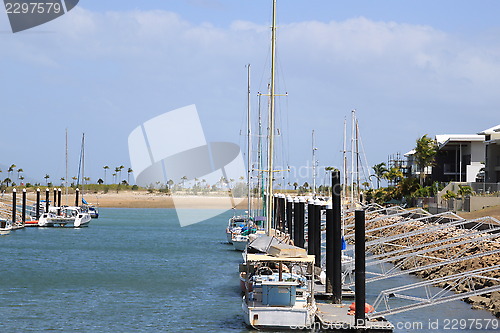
[{"x": 352, "y": 309}]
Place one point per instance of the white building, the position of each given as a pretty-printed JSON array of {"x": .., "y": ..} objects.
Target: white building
[{"x": 492, "y": 154}]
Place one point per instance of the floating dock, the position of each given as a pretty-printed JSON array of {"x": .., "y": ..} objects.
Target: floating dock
[{"x": 336, "y": 317}]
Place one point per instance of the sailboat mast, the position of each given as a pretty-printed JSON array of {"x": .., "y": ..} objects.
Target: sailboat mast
[
  {"x": 313, "y": 166},
  {"x": 345, "y": 160},
  {"x": 270, "y": 152},
  {"x": 353, "y": 154},
  {"x": 249, "y": 144},
  {"x": 357, "y": 163},
  {"x": 66, "y": 179},
  {"x": 83, "y": 163}
]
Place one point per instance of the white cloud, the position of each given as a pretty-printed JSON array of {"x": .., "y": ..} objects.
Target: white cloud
[{"x": 153, "y": 61}]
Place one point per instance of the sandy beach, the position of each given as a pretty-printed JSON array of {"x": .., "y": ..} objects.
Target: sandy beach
[{"x": 144, "y": 199}]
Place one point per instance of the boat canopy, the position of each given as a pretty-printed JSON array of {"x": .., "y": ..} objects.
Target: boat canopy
[{"x": 267, "y": 258}]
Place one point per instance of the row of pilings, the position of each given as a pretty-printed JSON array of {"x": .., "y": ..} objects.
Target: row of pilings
[
  {"x": 39, "y": 209},
  {"x": 290, "y": 217}
]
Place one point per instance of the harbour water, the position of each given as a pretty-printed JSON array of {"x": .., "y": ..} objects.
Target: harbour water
[{"x": 137, "y": 270}]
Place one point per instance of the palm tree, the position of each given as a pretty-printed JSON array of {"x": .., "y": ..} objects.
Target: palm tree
[
  {"x": 19, "y": 172},
  {"x": 379, "y": 171},
  {"x": 7, "y": 181},
  {"x": 62, "y": 181},
  {"x": 121, "y": 167},
  {"x": 394, "y": 175},
  {"x": 11, "y": 168},
  {"x": 105, "y": 169},
  {"x": 114, "y": 178},
  {"x": 425, "y": 152},
  {"x": 129, "y": 171},
  {"x": 183, "y": 179},
  {"x": 117, "y": 171},
  {"x": 46, "y": 179}
]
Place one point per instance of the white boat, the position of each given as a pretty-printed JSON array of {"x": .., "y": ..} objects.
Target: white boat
[
  {"x": 5, "y": 227},
  {"x": 240, "y": 242},
  {"x": 279, "y": 291},
  {"x": 68, "y": 216},
  {"x": 234, "y": 226},
  {"x": 91, "y": 209}
]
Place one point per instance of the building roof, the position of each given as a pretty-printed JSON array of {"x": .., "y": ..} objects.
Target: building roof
[
  {"x": 444, "y": 139},
  {"x": 491, "y": 130},
  {"x": 411, "y": 152}
]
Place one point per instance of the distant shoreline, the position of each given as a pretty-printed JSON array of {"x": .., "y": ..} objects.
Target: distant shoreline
[{"x": 144, "y": 199}]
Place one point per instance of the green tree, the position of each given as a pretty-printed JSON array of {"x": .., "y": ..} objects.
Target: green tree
[
  {"x": 425, "y": 152},
  {"x": 464, "y": 191},
  {"x": 11, "y": 169},
  {"x": 46, "y": 179},
  {"x": 116, "y": 175},
  {"x": 105, "y": 169},
  {"x": 129, "y": 171},
  {"x": 394, "y": 175},
  {"x": 379, "y": 171},
  {"x": 7, "y": 181},
  {"x": 120, "y": 168},
  {"x": 19, "y": 172}
]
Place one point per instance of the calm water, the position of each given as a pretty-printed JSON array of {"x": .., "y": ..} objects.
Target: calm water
[{"x": 135, "y": 270}]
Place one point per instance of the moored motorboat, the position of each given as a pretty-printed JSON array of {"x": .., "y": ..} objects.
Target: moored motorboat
[
  {"x": 279, "y": 291},
  {"x": 68, "y": 216},
  {"x": 234, "y": 226},
  {"x": 5, "y": 227}
]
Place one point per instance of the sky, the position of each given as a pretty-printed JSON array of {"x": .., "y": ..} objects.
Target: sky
[{"x": 408, "y": 68}]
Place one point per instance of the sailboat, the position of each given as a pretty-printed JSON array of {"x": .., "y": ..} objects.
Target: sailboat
[
  {"x": 278, "y": 285},
  {"x": 241, "y": 227},
  {"x": 60, "y": 215}
]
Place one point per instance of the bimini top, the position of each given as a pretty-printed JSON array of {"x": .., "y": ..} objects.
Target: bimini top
[{"x": 268, "y": 258}]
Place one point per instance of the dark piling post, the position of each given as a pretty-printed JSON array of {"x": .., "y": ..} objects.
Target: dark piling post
[
  {"x": 37, "y": 204},
  {"x": 24, "y": 207},
  {"x": 283, "y": 212},
  {"x": 277, "y": 213},
  {"x": 55, "y": 197},
  {"x": 14, "y": 203},
  {"x": 359, "y": 248},
  {"x": 77, "y": 195},
  {"x": 299, "y": 222},
  {"x": 336, "y": 234},
  {"x": 301, "y": 227},
  {"x": 47, "y": 200},
  {"x": 289, "y": 216},
  {"x": 310, "y": 228},
  {"x": 59, "y": 197},
  {"x": 329, "y": 251},
  {"x": 317, "y": 232},
  {"x": 296, "y": 210}
]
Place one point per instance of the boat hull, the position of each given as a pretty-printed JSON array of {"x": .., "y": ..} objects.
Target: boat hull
[
  {"x": 266, "y": 317},
  {"x": 48, "y": 220},
  {"x": 240, "y": 245},
  {"x": 229, "y": 236}
]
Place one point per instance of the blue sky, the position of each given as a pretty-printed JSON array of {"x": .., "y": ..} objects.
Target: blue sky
[{"x": 407, "y": 67}]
